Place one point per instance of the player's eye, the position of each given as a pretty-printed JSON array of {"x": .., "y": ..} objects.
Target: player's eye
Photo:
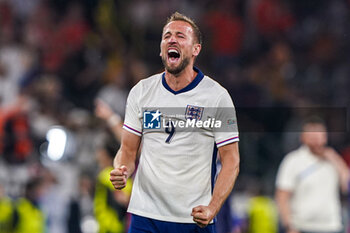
[{"x": 166, "y": 36}]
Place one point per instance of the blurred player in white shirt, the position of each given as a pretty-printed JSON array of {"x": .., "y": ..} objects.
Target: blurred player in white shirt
[{"x": 308, "y": 184}]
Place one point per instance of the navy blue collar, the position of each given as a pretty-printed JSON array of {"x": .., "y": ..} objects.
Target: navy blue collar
[{"x": 189, "y": 87}]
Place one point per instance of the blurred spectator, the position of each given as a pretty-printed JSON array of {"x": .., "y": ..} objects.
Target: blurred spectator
[
  {"x": 14, "y": 62},
  {"x": 273, "y": 18},
  {"x": 67, "y": 39},
  {"x": 106, "y": 17},
  {"x": 80, "y": 80},
  {"x": 7, "y": 19},
  {"x": 113, "y": 120},
  {"x": 48, "y": 106},
  {"x": 6, "y": 212},
  {"x": 23, "y": 8},
  {"x": 30, "y": 217},
  {"x": 54, "y": 197},
  {"x": 262, "y": 215},
  {"x": 109, "y": 204},
  {"x": 226, "y": 34},
  {"x": 114, "y": 93},
  {"x": 274, "y": 71},
  {"x": 56, "y": 41},
  {"x": 18, "y": 143},
  {"x": 262, "y": 211},
  {"x": 7, "y": 116},
  {"x": 308, "y": 183},
  {"x": 81, "y": 206}
]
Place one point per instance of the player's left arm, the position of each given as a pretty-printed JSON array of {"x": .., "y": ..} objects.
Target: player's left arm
[
  {"x": 342, "y": 169},
  {"x": 229, "y": 156}
]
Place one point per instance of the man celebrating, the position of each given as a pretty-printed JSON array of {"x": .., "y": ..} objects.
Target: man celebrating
[
  {"x": 173, "y": 188},
  {"x": 308, "y": 183}
]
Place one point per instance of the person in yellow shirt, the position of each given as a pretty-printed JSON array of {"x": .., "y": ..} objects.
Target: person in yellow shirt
[
  {"x": 6, "y": 212},
  {"x": 262, "y": 214},
  {"x": 29, "y": 216},
  {"x": 109, "y": 204}
]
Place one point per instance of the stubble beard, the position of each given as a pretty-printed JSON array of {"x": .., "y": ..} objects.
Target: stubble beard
[{"x": 178, "y": 69}]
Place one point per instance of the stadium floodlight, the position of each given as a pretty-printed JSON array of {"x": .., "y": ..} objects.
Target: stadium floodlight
[{"x": 57, "y": 139}]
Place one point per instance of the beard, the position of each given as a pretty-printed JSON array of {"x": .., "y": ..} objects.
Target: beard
[{"x": 178, "y": 69}]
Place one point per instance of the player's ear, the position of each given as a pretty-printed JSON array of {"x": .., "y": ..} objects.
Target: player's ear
[{"x": 196, "y": 49}]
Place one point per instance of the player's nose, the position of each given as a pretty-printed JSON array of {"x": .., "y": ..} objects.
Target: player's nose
[{"x": 172, "y": 40}]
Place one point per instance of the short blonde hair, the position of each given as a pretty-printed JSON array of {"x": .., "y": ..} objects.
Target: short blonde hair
[{"x": 180, "y": 17}]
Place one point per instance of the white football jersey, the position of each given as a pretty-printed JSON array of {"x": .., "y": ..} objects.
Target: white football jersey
[{"x": 180, "y": 132}]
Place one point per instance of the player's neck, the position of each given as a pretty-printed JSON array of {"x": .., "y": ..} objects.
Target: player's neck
[{"x": 180, "y": 81}]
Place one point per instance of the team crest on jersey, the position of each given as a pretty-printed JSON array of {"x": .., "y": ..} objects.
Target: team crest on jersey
[
  {"x": 151, "y": 119},
  {"x": 194, "y": 112}
]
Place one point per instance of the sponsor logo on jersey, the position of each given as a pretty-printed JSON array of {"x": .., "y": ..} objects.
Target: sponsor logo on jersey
[{"x": 152, "y": 119}]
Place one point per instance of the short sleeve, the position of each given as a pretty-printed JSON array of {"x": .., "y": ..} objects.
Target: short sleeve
[
  {"x": 286, "y": 175},
  {"x": 226, "y": 114},
  {"x": 132, "y": 120}
]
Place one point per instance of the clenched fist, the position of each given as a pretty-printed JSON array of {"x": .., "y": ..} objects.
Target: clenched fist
[
  {"x": 202, "y": 215},
  {"x": 118, "y": 177}
]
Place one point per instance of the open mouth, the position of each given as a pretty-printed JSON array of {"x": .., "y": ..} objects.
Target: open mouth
[{"x": 173, "y": 55}]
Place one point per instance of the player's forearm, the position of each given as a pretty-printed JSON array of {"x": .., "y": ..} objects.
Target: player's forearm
[
  {"x": 226, "y": 178},
  {"x": 223, "y": 187},
  {"x": 283, "y": 199},
  {"x": 126, "y": 158},
  {"x": 127, "y": 153}
]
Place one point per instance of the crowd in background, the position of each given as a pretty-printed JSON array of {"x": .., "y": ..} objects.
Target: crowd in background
[{"x": 281, "y": 60}]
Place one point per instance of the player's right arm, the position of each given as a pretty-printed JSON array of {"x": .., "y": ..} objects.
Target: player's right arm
[
  {"x": 286, "y": 183},
  {"x": 283, "y": 202},
  {"x": 124, "y": 161}
]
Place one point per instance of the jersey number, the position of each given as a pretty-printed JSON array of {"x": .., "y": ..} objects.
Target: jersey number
[{"x": 170, "y": 129}]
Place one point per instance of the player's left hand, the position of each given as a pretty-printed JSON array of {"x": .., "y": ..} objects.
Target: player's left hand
[
  {"x": 329, "y": 153},
  {"x": 202, "y": 215}
]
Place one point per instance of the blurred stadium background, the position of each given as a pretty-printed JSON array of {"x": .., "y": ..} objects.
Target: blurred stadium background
[{"x": 284, "y": 59}]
